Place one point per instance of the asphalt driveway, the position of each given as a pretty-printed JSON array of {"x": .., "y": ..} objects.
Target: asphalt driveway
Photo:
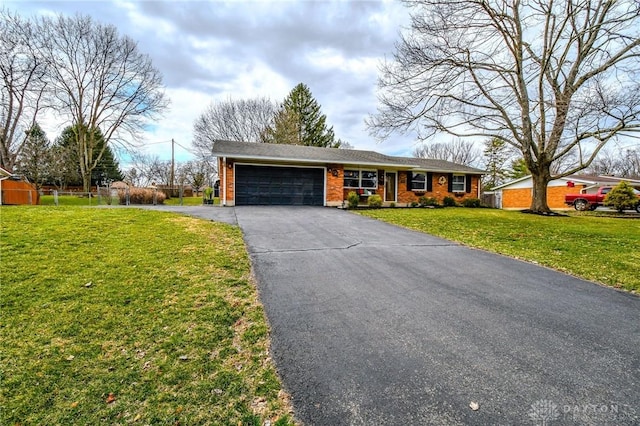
[{"x": 375, "y": 324}]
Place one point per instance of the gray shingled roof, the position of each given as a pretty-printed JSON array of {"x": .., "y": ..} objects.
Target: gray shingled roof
[{"x": 309, "y": 154}]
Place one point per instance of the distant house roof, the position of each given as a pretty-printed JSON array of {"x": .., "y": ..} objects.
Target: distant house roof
[
  {"x": 119, "y": 185},
  {"x": 591, "y": 180},
  {"x": 309, "y": 154}
]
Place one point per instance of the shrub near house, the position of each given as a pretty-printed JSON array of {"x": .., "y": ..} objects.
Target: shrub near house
[{"x": 623, "y": 197}]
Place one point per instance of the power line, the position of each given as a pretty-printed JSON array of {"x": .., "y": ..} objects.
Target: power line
[{"x": 157, "y": 142}]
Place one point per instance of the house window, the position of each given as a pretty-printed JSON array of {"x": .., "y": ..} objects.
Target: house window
[
  {"x": 351, "y": 178},
  {"x": 369, "y": 179},
  {"x": 360, "y": 179},
  {"x": 418, "y": 181},
  {"x": 458, "y": 183}
]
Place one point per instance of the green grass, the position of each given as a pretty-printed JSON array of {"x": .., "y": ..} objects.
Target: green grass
[
  {"x": 188, "y": 201},
  {"x": 73, "y": 200},
  {"x": 602, "y": 249},
  {"x": 123, "y": 316}
]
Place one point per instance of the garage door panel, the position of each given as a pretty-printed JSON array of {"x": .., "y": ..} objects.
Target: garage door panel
[{"x": 267, "y": 185}]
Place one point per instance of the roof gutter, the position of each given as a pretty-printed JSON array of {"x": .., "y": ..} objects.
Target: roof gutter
[{"x": 351, "y": 163}]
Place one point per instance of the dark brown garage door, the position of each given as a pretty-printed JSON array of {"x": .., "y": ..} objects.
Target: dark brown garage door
[{"x": 266, "y": 185}]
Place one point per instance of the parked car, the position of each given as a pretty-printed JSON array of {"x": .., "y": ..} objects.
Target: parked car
[{"x": 584, "y": 202}]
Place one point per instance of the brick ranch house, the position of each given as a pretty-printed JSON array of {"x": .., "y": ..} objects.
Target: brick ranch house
[
  {"x": 275, "y": 174},
  {"x": 517, "y": 194}
]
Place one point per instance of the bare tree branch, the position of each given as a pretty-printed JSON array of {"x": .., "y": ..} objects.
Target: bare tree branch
[
  {"x": 243, "y": 120},
  {"x": 100, "y": 81},
  {"x": 23, "y": 84},
  {"x": 557, "y": 80}
]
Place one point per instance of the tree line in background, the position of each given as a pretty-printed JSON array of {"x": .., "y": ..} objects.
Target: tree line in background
[
  {"x": 503, "y": 163},
  {"x": 297, "y": 121},
  {"x": 148, "y": 170},
  {"x": 86, "y": 74},
  {"x": 56, "y": 163}
]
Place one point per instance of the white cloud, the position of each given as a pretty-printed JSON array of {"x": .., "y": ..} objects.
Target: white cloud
[{"x": 241, "y": 49}]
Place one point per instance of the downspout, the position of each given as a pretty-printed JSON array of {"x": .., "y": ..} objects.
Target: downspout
[
  {"x": 224, "y": 181},
  {"x": 479, "y": 185}
]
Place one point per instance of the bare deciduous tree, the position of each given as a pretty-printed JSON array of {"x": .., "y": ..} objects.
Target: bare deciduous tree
[
  {"x": 149, "y": 169},
  {"x": 242, "y": 120},
  {"x": 100, "y": 80},
  {"x": 457, "y": 151},
  {"x": 23, "y": 84},
  {"x": 551, "y": 78},
  {"x": 198, "y": 174},
  {"x": 623, "y": 162}
]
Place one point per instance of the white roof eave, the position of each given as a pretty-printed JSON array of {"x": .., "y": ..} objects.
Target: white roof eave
[{"x": 347, "y": 163}]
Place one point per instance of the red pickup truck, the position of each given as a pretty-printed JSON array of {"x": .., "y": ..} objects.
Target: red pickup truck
[{"x": 593, "y": 201}]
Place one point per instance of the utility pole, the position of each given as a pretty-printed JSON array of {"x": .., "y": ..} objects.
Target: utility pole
[{"x": 173, "y": 165}]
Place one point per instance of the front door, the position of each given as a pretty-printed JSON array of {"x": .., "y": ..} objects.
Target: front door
[{"x": 390, "y": 186}]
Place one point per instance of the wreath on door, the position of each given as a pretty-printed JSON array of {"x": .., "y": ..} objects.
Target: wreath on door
[{"x": 442, "y": 180}]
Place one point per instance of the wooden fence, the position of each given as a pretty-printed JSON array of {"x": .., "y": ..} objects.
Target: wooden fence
[{"x": 18, "y": 192}]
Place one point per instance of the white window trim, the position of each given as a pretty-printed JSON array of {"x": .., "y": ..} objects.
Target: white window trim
[
  {"x": 426, "y": 176},
  {"x": 360, "y": 179},
  {"x": 464, "y": 183}
]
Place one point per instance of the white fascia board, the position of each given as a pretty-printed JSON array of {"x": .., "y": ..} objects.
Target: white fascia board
[
  {"x": 310, "y": 161},
  {"x": 455, "y": 172}
]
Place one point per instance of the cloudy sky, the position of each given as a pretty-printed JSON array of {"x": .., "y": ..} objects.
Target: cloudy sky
[{"x": 215, "y": 50}]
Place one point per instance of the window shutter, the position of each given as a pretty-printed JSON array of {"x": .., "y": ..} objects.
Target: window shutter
[
  {"x": 409, "y": 180},
  {"x": 429, "y": 182},
  {"x": 450, "y": 182},
  {"x": 468, "y": 184}
]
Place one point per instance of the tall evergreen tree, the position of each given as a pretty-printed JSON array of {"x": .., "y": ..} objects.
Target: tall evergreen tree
[
  {"x": 105, "y": 166},
  {"x": 518, "y": 168},
  {"x": 300, "y": 122},
  {"x": 34, "y": 160},
  {"x": 496, "y": 154}
]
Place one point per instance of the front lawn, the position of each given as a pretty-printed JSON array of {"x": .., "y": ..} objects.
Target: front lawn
[
  {"x": 83, "y": 200},
  {"x": 125, "y": 316},
  {"x": 188, "y": 201},
  {"x": 601, "y": 249}
]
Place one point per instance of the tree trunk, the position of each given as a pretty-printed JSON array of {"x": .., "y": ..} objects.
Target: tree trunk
[
  {"x": 539, "y": 196},
  {"x": 86, "y": 181}
]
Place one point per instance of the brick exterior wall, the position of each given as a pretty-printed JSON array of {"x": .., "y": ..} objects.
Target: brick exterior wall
[
  {"x": 406, "y": 197},
  {"x": 336, "y": 193},
  {"x": 438, "y": 191},
  {"x": 520, "y": 198},
  {"x": 555, "y": 195},
  {"x": 228, "y": 180},
  {"x": 334, "y": 185}
]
